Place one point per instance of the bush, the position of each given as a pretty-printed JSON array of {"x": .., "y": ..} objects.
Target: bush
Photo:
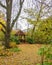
[
  {"x": 30, "y": 40},
  {"x": 43, "y": 33},
  {"x": 14, "y": 39},
  {"x": 42, "y": 37},
  {"x": 46, "y": 55}
]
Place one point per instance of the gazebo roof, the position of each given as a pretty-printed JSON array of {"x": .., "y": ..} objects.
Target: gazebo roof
[{"x": 20, "y": 33}]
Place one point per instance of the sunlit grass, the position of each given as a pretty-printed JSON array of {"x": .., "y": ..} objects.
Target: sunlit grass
[{"x": 14, "y": 49}]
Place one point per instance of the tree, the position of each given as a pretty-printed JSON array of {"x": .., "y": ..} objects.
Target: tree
[
  {"x": 41, "y": 10},
  {"x": 9, "y": 24}
]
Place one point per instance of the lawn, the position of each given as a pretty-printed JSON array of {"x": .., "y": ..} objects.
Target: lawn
[{"x": 27, "y": 56}]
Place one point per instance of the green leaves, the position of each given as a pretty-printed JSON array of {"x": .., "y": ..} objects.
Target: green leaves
[
  {"x": 46, "y": 54},
  {"x": 15, "y": 39},
  {"x": 14, "y": 49},
  {"x": 49, "y": 55},
  {"x": 41, "y": 51},
  {"x": 46, "y": 63},
  {"x": 38, "y": 64}
]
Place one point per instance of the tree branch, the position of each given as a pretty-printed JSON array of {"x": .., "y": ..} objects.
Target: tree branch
[
  {"x": 3, "y": 25},
  {"x": 43, "y": 3},
  {"x": 3, "y": 31},
  {"x": 2, "y": 5},
  {"x": 39, "y": 14},
  {"x": 18, "y": 14}
]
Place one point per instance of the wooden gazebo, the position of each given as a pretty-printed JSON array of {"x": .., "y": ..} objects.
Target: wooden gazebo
[{"x": 20, "y": 34}]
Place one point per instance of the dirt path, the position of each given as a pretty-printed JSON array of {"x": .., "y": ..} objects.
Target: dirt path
[{"x": 27, "y": 56}]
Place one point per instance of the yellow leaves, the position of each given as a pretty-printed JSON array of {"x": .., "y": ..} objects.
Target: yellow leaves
[
  {"x": 5, "y": 53},
  {"x": 13, "y": 44},
  {"x": 22, "y": 58},
  {"x": 3, "y": 22},
  {"x": 1, "y": 47}
]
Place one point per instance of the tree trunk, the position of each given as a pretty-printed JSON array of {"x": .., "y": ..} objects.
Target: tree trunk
[
  {"x": 32, "y": 31},
  {"x": 8, "y": 28},
  {"x": 7, "y": 40}
]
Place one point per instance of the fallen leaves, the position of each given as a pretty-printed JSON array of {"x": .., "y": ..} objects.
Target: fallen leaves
[{"x": 27, "y": 55}]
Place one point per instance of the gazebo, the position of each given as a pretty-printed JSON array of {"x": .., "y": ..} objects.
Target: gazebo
[{"x": 20, "y": 34}]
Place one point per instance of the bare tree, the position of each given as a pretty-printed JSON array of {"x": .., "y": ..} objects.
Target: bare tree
[
  {"x": 41, "y": 9},
  {"x": 9, "y": 24}
]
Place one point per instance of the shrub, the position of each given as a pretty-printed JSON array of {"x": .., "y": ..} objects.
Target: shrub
[
  {"x": 46, "y": 55},
  {"x": 42, "y": 37},
  {"x": 15, "y": 39},
  {"x": 30, "y": 40},
  {"x": 43, "y": 33}
]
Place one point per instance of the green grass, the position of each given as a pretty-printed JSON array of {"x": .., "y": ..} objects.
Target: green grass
[{"x": 14, "y": 49}]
